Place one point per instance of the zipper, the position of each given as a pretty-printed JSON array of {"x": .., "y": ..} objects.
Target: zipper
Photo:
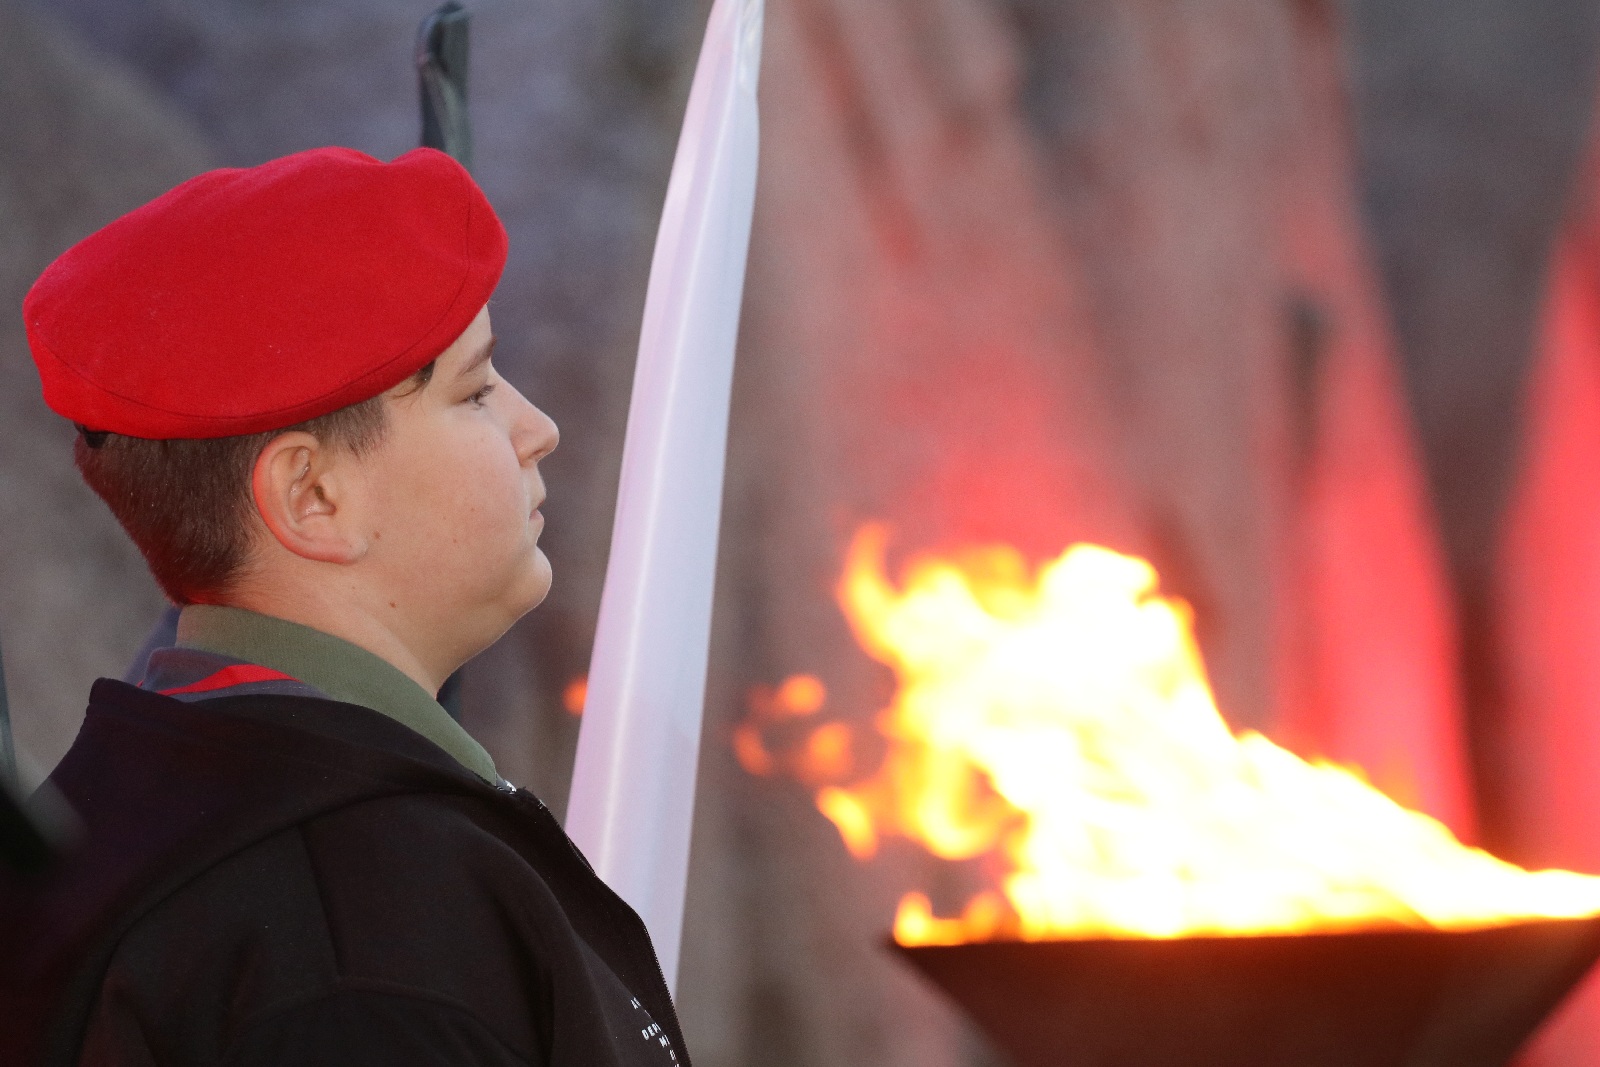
[{"x": 526, "y": 797}]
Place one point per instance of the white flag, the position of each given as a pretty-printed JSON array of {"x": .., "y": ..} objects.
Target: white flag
[{"x": 632, "y": 802}]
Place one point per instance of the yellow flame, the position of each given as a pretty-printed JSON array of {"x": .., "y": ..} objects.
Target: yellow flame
[
  {"x": 853, "y": 819},
  {"x": 1063, "y": 724},
  {"x": 985, "y": 918}
]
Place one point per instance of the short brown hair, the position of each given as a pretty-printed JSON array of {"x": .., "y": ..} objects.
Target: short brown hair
[{"x": 187, "y": 505}]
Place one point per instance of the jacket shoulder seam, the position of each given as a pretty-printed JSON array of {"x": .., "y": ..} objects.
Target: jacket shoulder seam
[{"x": 328, "y": 934}]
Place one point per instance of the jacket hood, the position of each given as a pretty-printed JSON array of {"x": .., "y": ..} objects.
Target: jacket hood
[{"x": 164, "y": 790}]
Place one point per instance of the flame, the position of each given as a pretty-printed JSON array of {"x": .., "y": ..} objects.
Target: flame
[
  {"x": 801, "y": 694},
  {"x": 1061, "y": 726},
  {"x": 798, "y": 696},
  {"x": 575, "y": 695},
  {"x": 825, "y": 756},
  {"x": 751, "y": 750}
]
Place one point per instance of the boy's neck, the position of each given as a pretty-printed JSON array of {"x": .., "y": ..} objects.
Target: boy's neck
[
  {"x": 329, "y": 665},
  {"x": 346, "y": 620}
]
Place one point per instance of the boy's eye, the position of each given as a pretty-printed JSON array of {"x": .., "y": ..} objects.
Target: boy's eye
[{"x": 478, "y": 397}]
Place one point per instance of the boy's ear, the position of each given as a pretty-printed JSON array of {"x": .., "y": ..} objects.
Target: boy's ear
[{"x": 297, "y": 485}]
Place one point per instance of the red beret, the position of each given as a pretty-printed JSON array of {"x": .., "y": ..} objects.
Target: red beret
[{"x": 254, "y": 299}]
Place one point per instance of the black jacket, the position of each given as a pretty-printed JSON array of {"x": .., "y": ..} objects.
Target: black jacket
[{"x": 283, "y": 880}]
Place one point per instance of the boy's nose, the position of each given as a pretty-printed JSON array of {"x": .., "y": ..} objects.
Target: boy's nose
[{"x": 537, "y": 434}]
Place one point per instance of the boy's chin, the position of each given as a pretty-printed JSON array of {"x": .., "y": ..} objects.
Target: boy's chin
[
  {"x": 543, "y": 576},
  {"x": 520, "y": 594},
  {"x": 534, "y": 584}
]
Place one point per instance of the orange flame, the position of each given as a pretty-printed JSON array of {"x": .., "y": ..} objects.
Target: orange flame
[
  {"x": 575, "y": 695},
  {"x": 1062, "y": 725},
  {"x": 751, "y": 750},
  {"x": 826, "y": 754},
  {"x": 800, "y": 695}
]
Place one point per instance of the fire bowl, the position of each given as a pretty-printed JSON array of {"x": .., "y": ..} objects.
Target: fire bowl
[{"x": 1390, "y": 998}]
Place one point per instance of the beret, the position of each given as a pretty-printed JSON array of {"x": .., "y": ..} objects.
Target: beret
[{"x": 252, "y": 299}]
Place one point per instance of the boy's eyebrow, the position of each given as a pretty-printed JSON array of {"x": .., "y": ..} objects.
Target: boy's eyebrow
[{"x": 478, "y": 360}]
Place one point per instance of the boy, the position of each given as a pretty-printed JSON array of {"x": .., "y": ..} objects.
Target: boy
[{"x": 282, "y": 383}]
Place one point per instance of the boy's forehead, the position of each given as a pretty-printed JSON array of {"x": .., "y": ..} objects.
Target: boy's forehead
[
  {"x": 252, "y": 299},
  {"x": 472, "y": 349},
  {"x": 469, "y": 347}
]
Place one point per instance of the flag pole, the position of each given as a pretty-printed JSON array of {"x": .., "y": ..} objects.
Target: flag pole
[{"x": 632, "y": 800}]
